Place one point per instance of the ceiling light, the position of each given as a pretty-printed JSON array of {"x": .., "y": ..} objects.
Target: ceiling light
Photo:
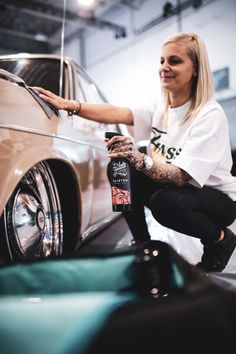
[
  {"x": 86, "y": 3},
  {"x": 40, "y": 37}
]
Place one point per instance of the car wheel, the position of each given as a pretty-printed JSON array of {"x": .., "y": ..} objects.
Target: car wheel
[{"x": 32, "y": 217}]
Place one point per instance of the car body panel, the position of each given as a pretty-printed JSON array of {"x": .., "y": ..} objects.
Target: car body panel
[{"x": 28, "y": 136}]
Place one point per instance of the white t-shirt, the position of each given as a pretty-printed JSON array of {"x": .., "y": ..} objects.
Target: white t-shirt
[{"x": 200, "y": 146}]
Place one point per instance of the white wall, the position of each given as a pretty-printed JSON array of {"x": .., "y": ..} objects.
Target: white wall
[{"x": 127, "y": 69}]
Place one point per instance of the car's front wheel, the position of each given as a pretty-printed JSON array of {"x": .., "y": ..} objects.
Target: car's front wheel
[{"x": 32, "y": 220}]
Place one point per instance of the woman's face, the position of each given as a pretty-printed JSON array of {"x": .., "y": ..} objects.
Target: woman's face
[{"x": 176, "y": 69}]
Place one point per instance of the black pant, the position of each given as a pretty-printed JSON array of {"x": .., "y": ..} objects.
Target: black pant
[{"x": 197, "y": 212}]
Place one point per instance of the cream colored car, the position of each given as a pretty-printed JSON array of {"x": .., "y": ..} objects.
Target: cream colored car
[{"x": 53, "y": 178}]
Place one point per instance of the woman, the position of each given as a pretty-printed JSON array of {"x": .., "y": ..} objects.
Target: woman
[{"x": 185, "y": 178}]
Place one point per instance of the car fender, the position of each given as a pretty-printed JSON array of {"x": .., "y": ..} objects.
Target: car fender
[{"x": 17, "y": 163}]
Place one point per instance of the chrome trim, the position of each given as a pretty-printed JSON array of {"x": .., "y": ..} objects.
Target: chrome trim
[
  {"x": 33, "y": 219},
  {"x": 52, "y": 135}
]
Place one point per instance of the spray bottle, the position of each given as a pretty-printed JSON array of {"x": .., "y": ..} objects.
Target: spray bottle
[{"x": 120, "y": 179}]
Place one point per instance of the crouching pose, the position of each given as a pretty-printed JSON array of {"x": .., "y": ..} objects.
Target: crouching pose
[{"x": 185, "y": 177}]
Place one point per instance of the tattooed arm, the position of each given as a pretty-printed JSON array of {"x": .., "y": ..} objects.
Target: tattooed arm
[
  {"x": 167, "y": 173},
  {"x": 160, "y": 171}
]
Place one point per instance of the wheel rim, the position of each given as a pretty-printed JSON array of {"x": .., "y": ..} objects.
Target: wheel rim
[{"x": 33, "y": 220}]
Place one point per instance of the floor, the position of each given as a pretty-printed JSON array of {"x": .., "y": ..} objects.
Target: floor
[{"x": 118, "y": 235}]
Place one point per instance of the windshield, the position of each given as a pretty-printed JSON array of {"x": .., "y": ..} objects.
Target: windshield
[{"x": 35, "y": 72}]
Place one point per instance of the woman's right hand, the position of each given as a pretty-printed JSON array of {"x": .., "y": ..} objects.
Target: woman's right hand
[{"x": 56, "y": 101}]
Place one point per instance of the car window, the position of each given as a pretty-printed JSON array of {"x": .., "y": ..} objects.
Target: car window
[
  {"x": 45, "y": 72},
  {"x": 36, "y": 72},
  {"x": 89, "y": 89},
  {"x": 93, "y": 94}
]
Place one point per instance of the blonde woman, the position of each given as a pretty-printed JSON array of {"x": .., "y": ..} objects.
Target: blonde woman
[{"x": 185, "y": 177}]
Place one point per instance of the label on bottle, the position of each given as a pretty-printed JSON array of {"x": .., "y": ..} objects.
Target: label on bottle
[
  {"x": 121, "y": 193},
  {"x": 120, "y": 179},
  {"x": 119, "y": 169}
]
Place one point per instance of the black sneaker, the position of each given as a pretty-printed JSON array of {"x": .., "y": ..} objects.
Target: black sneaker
[{"x": 216, "y": 256}]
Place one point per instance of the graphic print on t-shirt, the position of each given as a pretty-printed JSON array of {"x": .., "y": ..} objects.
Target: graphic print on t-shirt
[{"x": 159, "y": 149}]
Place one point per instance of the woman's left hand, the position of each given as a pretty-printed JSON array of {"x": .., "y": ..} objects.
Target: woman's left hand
[{"x": 122, "y": 146}]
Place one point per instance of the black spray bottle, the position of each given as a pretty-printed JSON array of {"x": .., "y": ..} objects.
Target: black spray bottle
[{"x": 120, "y": 179}]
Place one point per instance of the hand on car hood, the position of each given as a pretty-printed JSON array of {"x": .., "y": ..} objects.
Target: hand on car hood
[{"x": 48, "y": 109}]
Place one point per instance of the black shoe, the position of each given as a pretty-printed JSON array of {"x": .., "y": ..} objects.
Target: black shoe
[{"x": 216, "y": 256}]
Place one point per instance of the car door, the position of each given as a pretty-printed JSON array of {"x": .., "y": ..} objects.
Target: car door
[{"x": 101, "y": 201}]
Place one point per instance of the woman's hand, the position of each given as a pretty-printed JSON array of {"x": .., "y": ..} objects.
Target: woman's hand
[
  {"x": 54, "y": 100},
  {"x": 122, "y": 146}
]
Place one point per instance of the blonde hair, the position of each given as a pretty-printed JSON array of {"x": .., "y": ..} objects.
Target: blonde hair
[{"x": 202, "y": 84}]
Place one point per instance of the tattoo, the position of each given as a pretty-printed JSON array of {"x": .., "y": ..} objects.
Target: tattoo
[
  {"x": 168, "y": 173},
  {"x": 161, "y": 171},
  {"x": 134, "y": 161}
]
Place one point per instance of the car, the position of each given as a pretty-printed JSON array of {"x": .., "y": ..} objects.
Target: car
[{"x": 55, "y": 193}]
